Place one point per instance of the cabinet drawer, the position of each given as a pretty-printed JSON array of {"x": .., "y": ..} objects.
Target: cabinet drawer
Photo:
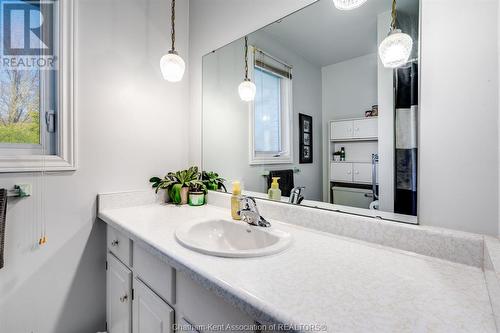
[
  {"x": 119, "y": 245},
  {"x": 151, "y": 313},
  {"x": 201, "y": 307},
  {"x": 158, "y": 275},
  {"x": 365, "y": 128},
  {"x": 340, "y": 130},
  {"x": 341, "y": 172}
]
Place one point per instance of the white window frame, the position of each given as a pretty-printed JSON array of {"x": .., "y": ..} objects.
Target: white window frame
[
  {"x": 65, "y": 159},
  {"x": 285, "y": 157}
]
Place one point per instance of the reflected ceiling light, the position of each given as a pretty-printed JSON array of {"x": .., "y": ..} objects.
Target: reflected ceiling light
[
  {"x": 171, "y": 64},
  {"x": 348, "y": 4},
  {"x": 395, "y": 49},
  {"x": 247, "y": 88}
]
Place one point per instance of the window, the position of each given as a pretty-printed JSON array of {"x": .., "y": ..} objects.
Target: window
[
  {"x": 270, "y": 115},
  {"x": 36, "y": 72}
]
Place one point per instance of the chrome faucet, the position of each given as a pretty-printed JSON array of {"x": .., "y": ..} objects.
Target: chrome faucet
[
  {"x": 296, "y": 196},
  {"x": 250, "y": 213}
]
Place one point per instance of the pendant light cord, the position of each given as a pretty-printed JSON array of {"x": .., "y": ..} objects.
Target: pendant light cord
[
  {"x": 394, "y": 15},
  {"x": 246, "y": 58},
  {"x": 173, "y": 26}
]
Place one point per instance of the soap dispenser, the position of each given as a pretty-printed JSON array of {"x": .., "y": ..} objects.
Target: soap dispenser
[
  {"x": 274, "y": 192},
  {"x": 235, "y": 200}
]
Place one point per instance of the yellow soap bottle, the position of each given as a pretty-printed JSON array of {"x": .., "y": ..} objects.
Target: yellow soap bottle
[
  {"x": 274, "y": 192},
  {"x": 235, "y": 200}
]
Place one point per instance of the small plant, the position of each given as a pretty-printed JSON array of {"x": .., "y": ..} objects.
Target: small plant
[
  {"x": 212, "y": 181},
  {"x": 175, "y": 182}
]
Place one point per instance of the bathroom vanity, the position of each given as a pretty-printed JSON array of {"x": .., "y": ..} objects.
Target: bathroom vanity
[{"x": 323, "y": 281}]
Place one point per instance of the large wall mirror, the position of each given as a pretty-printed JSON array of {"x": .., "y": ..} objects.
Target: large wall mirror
[{"x": 326, "y": 100}]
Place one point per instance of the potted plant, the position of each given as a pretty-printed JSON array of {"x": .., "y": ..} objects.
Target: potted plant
[
  {"x": 177, "y": 184},
  {"x": 197, "y": 191},
  {"x": 212, "y": 181}
]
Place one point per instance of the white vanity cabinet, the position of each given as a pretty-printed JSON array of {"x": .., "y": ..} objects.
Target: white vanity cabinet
[{"x": 151, "y": 296}]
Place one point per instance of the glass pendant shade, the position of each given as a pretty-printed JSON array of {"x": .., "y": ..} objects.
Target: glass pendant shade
[
  {"x": 395, "y": 49},
  {"x": 247, "y": 90},
  {"x": 172, "y": 67},
  {"x": 348, "y": 4}
]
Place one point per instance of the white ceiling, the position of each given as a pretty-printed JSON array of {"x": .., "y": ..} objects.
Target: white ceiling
[{"x": 324, "y": 35}]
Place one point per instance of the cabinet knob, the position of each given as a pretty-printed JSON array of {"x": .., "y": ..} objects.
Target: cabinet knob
[
  {"x": 357, "y": 172},
  {"x": 124, "y": 298},
  {"x": 348, "y": 172},
  {"x": 115, "y": 242}
]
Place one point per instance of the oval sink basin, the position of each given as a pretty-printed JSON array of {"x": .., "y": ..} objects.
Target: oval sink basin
[{"x": 225, "y": 238}]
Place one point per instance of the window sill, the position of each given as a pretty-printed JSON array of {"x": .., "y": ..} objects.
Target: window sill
[
  {"x": 36, "y": 163},
  {"x": 271, "y": 161}
]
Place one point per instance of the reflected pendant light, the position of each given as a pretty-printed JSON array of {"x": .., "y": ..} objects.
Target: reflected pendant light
[
  {"x": 247, "y": 88},
  {"x": 348, "y": 4},
  {"x": 395, "y": 49},
  {"x": 171, "y": 64}
]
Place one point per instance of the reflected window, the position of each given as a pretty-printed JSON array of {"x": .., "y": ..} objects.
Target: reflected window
[
  {"x": 271, "y": 111},
  {"x": 267, "y": 115}
]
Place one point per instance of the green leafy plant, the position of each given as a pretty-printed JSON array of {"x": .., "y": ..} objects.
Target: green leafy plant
[
  {"x": 212, "y": 181},
  {"x": 173, "y": 182}
]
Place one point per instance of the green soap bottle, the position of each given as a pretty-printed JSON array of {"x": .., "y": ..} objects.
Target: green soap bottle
[{"x": 274, "y": 192}]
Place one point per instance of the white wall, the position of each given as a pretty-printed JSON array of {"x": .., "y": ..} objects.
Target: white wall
[
  {"x": 226, "y": 120},
  {"x": 349, "y": 88},
  {"x": 131, "y": 125},
  {"x": 458, "y": 176}
]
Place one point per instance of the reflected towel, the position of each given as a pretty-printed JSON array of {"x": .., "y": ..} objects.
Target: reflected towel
[
  {"x": 286, "y": 180},
  {"x": 3, "y": 214}
]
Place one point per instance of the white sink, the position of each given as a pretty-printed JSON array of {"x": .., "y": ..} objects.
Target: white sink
[{"x": 224, "y": 238}]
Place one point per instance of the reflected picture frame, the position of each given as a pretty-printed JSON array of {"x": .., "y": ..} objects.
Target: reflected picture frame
[{"x": 305, "y": 139}]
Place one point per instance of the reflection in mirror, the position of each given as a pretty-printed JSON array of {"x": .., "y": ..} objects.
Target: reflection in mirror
[{"x": 322, "y": 103}]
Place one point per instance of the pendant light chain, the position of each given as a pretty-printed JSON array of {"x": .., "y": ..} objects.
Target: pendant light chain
[
  {"x": 394, "y": 15},
  {"x": 246, "y": 58},
  {"x": 173, "y": 25}
]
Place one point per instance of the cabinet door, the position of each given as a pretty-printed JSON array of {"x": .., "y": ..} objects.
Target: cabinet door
[
  {"x": 118, "y": 296},
  {"x": 201, "y": 307},
  {"x": 341, "y": 130},
  {"x": 362, "y": 172},
  {"x": 365, "y": 128},
  {"x": 341, "y": 172},
  {"x": 151, "y": 313}
]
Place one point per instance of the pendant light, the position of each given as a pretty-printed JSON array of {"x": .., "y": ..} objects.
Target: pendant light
[
  {"x": 348, "y": 4},
  {"x": 247, "y": 88},
  {"x": 171, "y": 64},
  {"x": 395, "y": 49}
]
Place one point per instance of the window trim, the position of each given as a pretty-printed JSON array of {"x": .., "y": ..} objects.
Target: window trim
[
  {"x": 287, "y": 88},
  {"x": 65, "y": 160}
]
